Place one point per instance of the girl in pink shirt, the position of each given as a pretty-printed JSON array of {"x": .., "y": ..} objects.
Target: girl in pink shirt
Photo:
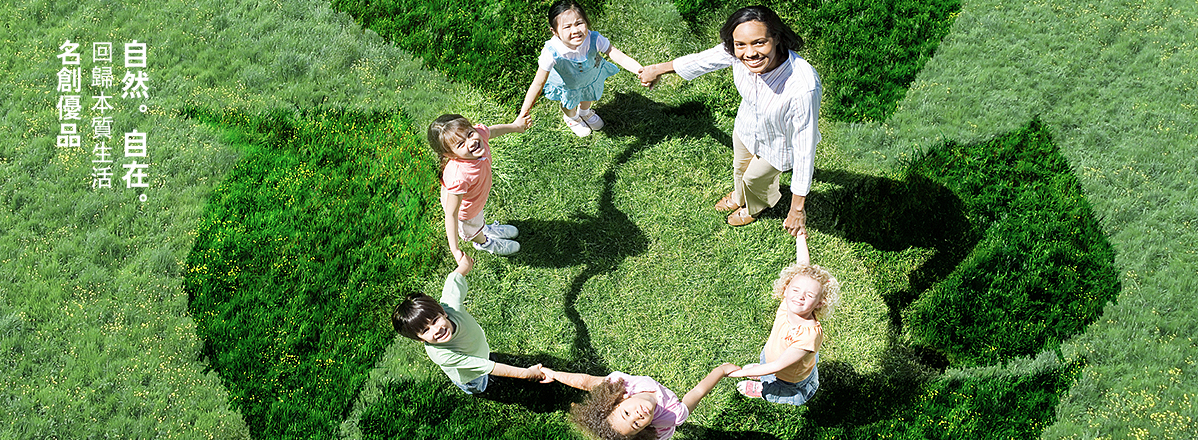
[
  {"x": 621, "y": 406},
  {"x": 464, "y": 152}
]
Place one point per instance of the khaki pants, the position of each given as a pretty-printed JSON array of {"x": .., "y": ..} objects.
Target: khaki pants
[
  {"x": 755, "y": 181},
  {"x": 468, "y": 229}
]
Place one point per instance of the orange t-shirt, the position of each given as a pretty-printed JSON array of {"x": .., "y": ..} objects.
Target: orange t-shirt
[{"x": 784, "y": 334}]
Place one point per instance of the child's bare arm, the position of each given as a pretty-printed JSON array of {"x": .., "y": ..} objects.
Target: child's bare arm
[
  {"x": 581, "y": 381},
  {"x": 651, "y": 73},
  {"x": 531, "y": 373},
  {"x": 465, "y": 264},
  {"x": 624, "y": 60},
  {"x": 788, "y": 358},
  {"x": 692, "y": 397},
  {"x": 534, "y": 92},
  {"x": 452, "y": 203},
  {"x": 517, "y": 126},
  {"x": 802, "y": 255}
]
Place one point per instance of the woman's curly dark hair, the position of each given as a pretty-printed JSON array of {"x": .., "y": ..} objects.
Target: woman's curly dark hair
[{"x": 591, "y": 414}]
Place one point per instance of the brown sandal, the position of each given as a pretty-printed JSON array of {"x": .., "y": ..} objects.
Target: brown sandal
[
  {"x": 726, "y": 204},
  {"x": 740, "y": 217}
]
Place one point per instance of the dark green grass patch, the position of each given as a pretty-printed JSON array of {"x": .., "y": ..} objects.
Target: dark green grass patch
[
  {"x": 1042, "y": 270},
  {"x": 1018, "y": 261},
  {"x": 491, "y": 44},
  {"x": 988, "y": 407},
  {"x": 436, "y": 409},
  {"x": 299, "y": 253},
  {"x": 867, "y": 52}
]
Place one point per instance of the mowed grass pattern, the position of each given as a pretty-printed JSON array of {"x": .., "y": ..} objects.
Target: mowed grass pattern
[{"x": 1001, "y": 64}]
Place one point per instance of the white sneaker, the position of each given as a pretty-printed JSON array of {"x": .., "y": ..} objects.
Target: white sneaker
[
  {"x": 577, "y": 126},
  {"x": 498, "y": 246},
  {"x": 591, "y": 118},
  {"x": 496, "y": 230}
]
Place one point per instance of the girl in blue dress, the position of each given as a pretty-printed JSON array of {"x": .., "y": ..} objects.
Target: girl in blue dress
[{"x": 571, "y": 68}]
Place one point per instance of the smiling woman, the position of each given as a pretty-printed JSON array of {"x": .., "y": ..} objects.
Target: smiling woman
[{"x": 777, "y": 124}]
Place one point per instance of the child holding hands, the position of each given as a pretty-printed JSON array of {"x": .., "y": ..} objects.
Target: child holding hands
[
  {"x": 571, "y": 68},
  {"x": 788, "y": 368},
  {"x": 621, "y": 406},
  {"x": 451, "y": 336},
  {"x": 464, "y": 152}
]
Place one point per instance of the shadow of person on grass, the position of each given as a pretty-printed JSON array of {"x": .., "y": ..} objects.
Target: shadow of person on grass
[
  {"x": 892, "y": 216},
  {"x": 600, "y": 242},
  {"x": 534, "y": 396}
]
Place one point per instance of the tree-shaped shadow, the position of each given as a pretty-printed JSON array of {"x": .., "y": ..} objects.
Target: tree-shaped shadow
[
  {"x": 892, "y": 216},
  {"x": 600, "y": 242}
]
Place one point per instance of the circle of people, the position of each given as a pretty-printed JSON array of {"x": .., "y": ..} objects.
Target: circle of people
[{"x": 775, "y": 131}]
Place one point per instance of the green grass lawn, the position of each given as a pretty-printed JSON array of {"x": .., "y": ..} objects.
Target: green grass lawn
[{"x": 625, "y": 266}]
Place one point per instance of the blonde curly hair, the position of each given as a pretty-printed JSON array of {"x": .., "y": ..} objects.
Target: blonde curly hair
[{"x": 829, "y": 287}]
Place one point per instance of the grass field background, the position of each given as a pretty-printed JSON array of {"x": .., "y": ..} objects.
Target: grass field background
[{"x": 97, "y": 339}]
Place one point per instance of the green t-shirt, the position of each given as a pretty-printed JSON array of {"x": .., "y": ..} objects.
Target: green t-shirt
[{"x": 464, "y": 357}]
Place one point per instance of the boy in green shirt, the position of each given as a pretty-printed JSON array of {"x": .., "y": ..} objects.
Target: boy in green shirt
[{"x": 452, "y": 338}]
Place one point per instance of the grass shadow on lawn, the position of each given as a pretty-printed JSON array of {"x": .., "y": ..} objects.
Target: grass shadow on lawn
[
  {"x": 533, "y": 396},
  {"x": 601, "y": 242},
  {"x": 892, "y": 216}
]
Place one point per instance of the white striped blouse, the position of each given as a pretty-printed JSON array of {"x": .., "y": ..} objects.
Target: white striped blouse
[{"x": 778, "y": 119}]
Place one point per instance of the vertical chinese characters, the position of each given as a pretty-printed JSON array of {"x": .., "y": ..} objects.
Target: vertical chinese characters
[
  {"x": 71, "y": 106},
  {"x": 102, "y": 125}
]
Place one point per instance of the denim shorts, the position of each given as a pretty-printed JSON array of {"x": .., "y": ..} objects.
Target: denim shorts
[
  {"x": 475, "y": 386},
  {"x": 780, "y": 391}
]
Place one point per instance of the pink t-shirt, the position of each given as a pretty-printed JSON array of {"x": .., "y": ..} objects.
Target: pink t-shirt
[
  {"x": 670, "y": 411},
  {"x": 471, "y": 178}
]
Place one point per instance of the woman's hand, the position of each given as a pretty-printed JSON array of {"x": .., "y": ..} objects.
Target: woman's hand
[
  {"x": 796, "y": 222},
  {"x": 651, "y": 73}
]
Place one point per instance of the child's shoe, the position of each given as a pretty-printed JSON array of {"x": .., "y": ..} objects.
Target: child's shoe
[
  {"x": 577, "y": 126},
  {"x": 591, "y": 118},
  {"x": 749, "y": 388},
  {"x": 498, "y": 246},
  {"x": 496, "y": 230}
]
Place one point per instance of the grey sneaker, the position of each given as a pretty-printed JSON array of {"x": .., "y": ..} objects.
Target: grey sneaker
[
  {"x": 496, "y": 230},
  {"x": 498, "y": 246},
  {"x": 591, "y": 118},
  {"x": 577, "y": 126}
]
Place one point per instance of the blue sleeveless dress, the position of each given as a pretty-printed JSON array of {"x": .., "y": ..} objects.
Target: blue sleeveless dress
[{"x": 571, "y": 82}]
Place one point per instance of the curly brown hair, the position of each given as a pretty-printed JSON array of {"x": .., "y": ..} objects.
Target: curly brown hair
[
  {"x": 829, "y": 287},
  {"x": 591, "y": 415}
]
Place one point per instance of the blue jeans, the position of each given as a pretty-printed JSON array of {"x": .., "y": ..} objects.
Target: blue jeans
[
  {"x": 475, "y": 386},
  {"x": 780, "y": 391}
]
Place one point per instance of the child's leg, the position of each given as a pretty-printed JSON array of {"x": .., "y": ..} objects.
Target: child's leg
[
  {"x": 589, "y": 116},
  {"x": 779, "y": 391},
  {"x": 576, "y": 124},
  {"x": 498, "y": 246},
  {"x": 472, "y": 229}
]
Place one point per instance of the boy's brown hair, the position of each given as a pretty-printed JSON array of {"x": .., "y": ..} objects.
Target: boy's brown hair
[{"x": 414, "y": 314}]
